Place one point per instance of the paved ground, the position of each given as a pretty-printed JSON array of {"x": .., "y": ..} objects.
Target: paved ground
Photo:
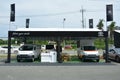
[{"x": 57, "y": 71}]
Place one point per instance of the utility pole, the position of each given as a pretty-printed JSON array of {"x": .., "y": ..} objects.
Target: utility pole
[{"x": 82, "y": 11}]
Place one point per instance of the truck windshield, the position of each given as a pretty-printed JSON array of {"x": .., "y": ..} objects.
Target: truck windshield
[
  {"x": 26, "y": 48},
  {"x": 49, "y": 46},
  {"x": 89, "y": 47}
]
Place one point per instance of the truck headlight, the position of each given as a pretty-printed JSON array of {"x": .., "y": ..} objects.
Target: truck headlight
[
  {"x": 97, "y": 54},
  {"x": 85, "y": 54}
]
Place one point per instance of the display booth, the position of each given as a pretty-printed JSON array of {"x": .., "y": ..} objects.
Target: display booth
[{"x": 57, "y": 34}]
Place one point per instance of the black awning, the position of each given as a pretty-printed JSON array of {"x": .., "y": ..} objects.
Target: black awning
[{"x": 58, "y": 33}]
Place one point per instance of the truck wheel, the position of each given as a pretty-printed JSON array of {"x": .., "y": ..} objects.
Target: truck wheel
[
  {"x": 83, "y": 60},
  {"x": 39, "y": 58},
  {"x": 118, "y": 59},
  {"x": 18, "y": 60},
  {"x": 97, "y": 60},
  {"x": 78, "y": 56},
  {"x": 32, "y": 60}
]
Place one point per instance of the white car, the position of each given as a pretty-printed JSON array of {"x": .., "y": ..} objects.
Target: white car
[
  {"x": 29, "y": 52},
  {"x": 4, "y": 49}
]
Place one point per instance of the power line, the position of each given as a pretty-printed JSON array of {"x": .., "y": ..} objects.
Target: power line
[
  {"x": 54, "y": 14},
  {"x": 42, "y": 15}
]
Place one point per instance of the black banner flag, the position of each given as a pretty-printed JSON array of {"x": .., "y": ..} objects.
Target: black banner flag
[
  {"x": 109, "y": 12},
  {"x": 90, "y": 23},
  {"x": 12, "y": 13},
  {"x": 27, "y": 23}
]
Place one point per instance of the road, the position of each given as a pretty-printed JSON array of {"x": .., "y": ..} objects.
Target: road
[{"x": 60, "y": 71}]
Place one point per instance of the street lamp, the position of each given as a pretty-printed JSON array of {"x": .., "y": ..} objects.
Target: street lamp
[{"x": 64, "y": 19}]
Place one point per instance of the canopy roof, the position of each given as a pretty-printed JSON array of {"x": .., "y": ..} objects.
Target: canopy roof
[
  {"x": 57, "y": 29},
  {"x": 57, "y": 32}
]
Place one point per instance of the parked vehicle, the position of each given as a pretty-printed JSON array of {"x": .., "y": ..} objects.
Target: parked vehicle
[
  {"x": 28, "y": 52},
  {"x": 88, "y": 53},
  {"x": 68, "y": 47},
  {"x": 4, "y": 49},
  {"x": 43, "y": 47},
  {"x": 113, "y": 54}
]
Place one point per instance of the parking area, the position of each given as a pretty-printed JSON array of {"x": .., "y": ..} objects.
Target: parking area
[
  {"x": 71, "y": 69},
  {"x": 68, "y": 56},
  {"x": 71, "y": 58}
]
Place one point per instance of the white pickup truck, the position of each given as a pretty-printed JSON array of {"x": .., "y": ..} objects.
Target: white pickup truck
[
  {"x": 28, "y": 52},
  {"x": 88, "y": 53}
]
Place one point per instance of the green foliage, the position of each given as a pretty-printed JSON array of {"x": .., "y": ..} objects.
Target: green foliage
[
  {"x": 111, "y": 28},
  {"x": 74, "y": 58},
  {"x": 41, "y": 42},
  {"x": 100, "y": 24},
  {"x": 74, "y": 46},
  {"x": 2, "y": 42},
  {"x": 100, "y": 43}
]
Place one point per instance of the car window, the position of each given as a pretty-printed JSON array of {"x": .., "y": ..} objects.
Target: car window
[
  {"x": 112, "y": 51},
  {"x": 26, "y": 48},
  {"x": 89, "y": 48},
  {"x": 49, "y": 46},
  {"x": 6, "y": 47},
  {"x": 118, "y": 50}
]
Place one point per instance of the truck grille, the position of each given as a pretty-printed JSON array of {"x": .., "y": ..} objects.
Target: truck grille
[
  {"x": 92, "y": 55},
  {"x": 23, "y": 56}
]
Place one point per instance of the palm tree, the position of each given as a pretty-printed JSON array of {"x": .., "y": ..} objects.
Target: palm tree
[
  {"x": 100, "y": 24},
  {"x": 111, "y": 29}
]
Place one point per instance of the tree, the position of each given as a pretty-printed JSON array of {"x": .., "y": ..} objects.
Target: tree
[
  {"x": 111, "y": 29},
  {"x": 100, "y": 24},
  {"x": 1, "y": 41}
]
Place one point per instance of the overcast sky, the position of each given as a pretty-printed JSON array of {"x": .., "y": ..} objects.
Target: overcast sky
[{"x": 50, "y": 13}]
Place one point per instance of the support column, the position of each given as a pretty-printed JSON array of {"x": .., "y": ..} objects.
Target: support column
[
  {"x": 78, "y": 43},
  {"x": 59, "y": 59},
  {"x": 9, "y": 49},
  {"x": 106, "y": 49}
]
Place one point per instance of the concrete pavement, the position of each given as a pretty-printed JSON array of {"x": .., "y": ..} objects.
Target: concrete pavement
[{"x": 57, "y": 71}]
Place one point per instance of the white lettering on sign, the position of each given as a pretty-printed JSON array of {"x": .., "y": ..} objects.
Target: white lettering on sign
[{"x": 20, "y": 34}]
